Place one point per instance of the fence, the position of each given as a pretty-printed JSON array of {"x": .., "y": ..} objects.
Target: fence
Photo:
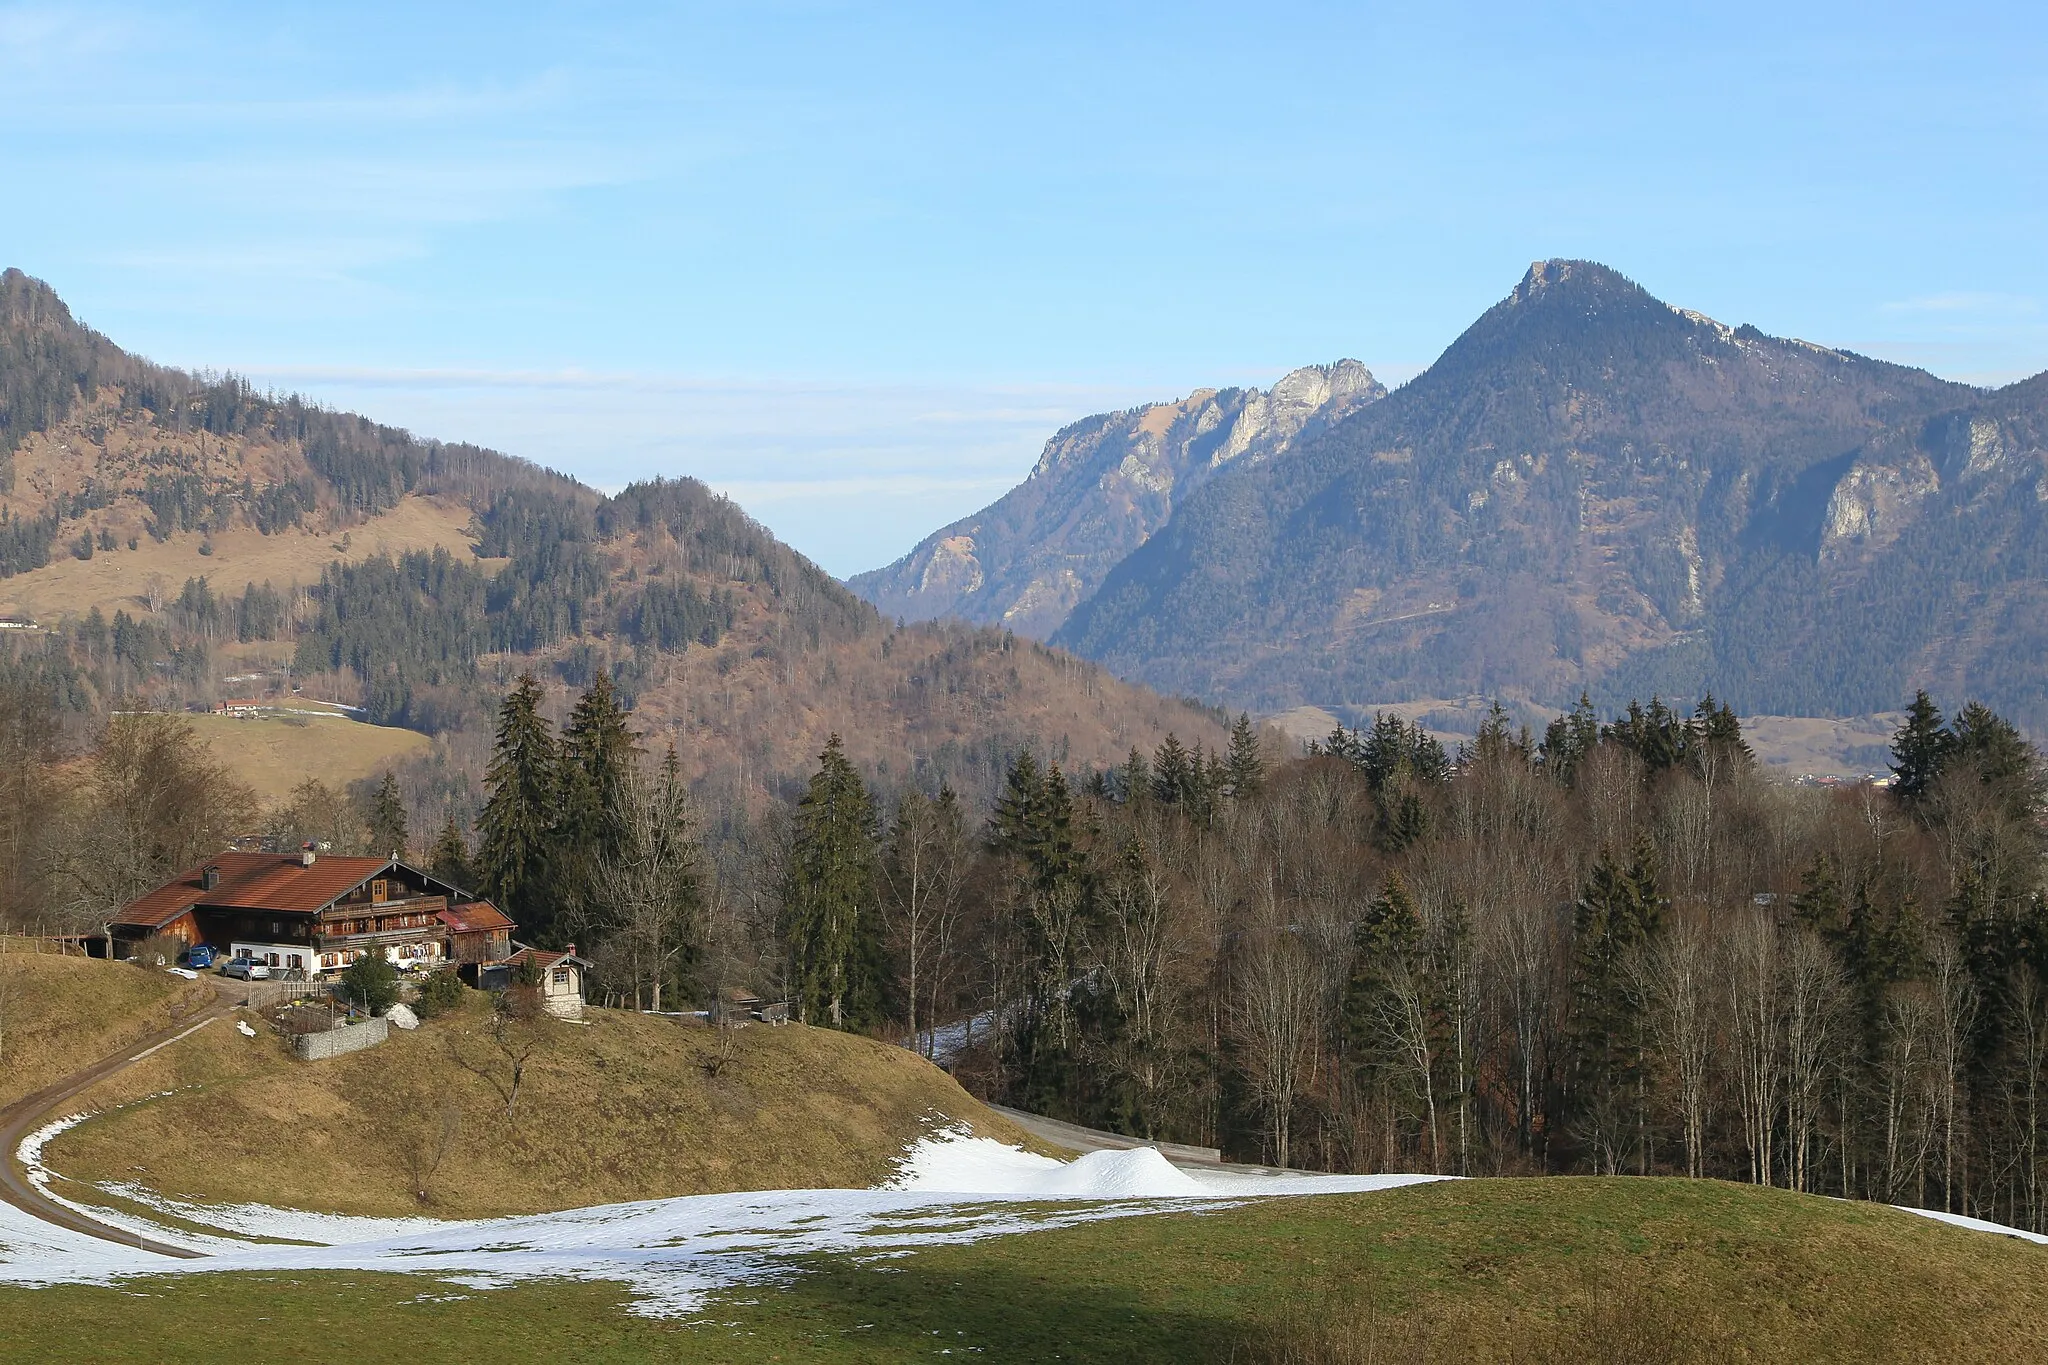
[{"x": 311, "y": 1047}]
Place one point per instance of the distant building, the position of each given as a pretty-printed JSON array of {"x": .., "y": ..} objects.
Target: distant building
[
  {"x": 561, "y": 978},
  {"x": 300, "y": 912}
]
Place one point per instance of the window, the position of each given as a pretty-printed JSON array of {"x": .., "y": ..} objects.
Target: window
[
  {"x": 380, "y": 890},
  {"x": 297, "y": 962},
  {"x": 561, "y": 976}
]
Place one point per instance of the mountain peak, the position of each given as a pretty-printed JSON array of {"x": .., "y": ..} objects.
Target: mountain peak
[{"x": 1560, "y": 278}]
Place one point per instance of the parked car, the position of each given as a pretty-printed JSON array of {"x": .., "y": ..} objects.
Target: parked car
[
  {"x": 247, "y": 968},
  {"x": 199, "y": 957}
]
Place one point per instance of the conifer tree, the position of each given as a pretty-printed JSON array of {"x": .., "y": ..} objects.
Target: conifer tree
[
  {"x": 387, "y": 819},
  {"x": 448, "y": 860},
  {"x": 1570, "y": 739},
  {"x": 1918, "y": 748},
  {"x": 1246, "y": 765},
  {"x": 1134, "y": 779},
  {"x": 592, "y": 823},
  {"x": 1023, "y": 786},
  {"x": 1991, "y": 749},
  {"x": 1617, "y": 915},
  {"x": 1172, "y": 773},
  {"x": 831, "y": 916},
  {"x": 515, "y": 830}
]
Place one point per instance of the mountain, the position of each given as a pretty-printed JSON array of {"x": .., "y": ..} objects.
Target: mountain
[
  {"x": 1592, "y": 489},
  {"x": 167, "y": 540},
  {"x": 1102, "y": 486}
]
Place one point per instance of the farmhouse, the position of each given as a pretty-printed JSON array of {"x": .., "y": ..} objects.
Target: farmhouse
[{"x": 303, "y": 913}]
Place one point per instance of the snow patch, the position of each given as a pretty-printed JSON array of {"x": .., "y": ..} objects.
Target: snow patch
[{"x": 1976, "y": 1224}]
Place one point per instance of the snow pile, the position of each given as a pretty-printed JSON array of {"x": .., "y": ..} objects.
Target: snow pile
[{"x": 955, "y": 1162}]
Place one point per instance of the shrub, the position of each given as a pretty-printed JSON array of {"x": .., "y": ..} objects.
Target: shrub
[
  {"x": 440, "y": 993},
  {"x": 371, "y": 982}
]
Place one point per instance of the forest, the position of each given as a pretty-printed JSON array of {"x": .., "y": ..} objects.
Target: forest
[{"x": 1616, "y": 947}]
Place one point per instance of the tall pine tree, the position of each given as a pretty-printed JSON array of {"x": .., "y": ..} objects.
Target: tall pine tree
[
  {"x": 591, "y": 826},
  {"x": 831, "y": 913},
  {"x": 387, "y": 818},
  {"x": 1918, "y": 748},
  {"x": 516, "y": 828},
  {"x": 1246, "y": 766},
  {"x": 1618, "y": 914},
  {"x": 449, "y": 857}
]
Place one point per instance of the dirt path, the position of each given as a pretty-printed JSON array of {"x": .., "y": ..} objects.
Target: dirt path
[{"x": 26, "y": 1115}]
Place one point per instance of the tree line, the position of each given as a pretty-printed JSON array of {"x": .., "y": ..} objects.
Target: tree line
[{"x": 1616, "y": 947}]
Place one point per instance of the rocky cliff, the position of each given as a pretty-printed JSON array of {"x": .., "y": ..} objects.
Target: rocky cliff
[{"x": 1101, "y": 488}]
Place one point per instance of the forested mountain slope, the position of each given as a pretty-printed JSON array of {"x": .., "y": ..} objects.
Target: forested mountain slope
[
  {"x": 1593, "y": 489},
  {"x": 178, "y": 539},
  {"x": 1101, "y": 487}
]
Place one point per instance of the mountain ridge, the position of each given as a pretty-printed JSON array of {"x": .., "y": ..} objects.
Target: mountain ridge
[
  {"x": 1594, "y": 490},
  {"x": 1101, "y": 486},
  {"x": 120, "y": 478}
]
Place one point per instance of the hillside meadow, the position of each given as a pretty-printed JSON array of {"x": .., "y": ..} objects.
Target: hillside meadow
[
  {"x": 622, "y": 1107},
  {"x": 1528, "y": 1272}
]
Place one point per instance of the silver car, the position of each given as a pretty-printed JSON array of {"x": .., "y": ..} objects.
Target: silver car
[{"x": 247, "y": 968}]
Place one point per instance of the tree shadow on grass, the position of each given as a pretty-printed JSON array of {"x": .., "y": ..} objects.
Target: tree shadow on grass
[{"x": 835, "y": 1309}]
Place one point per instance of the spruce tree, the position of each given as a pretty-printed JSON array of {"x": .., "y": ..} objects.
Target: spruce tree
[
  {"x": 515, "y": 830},
  {"x": 387, "y": 819},
  {"x": 1172, "y": 772},
  {"x": 1570, "y": 739},
  {"x": 831, "y": 914},
  {"x": 591, "y": 825},
  {"x": 1991, "y": 749},
  {"x": 1918, "y": 748},
  {"x": 1023, "y": 787},
  {"x": 1134, "y": 779},
  {"x": 448, "y": 860},
  {"x": 1246, "y": 765},
  {"x": 1617, "y": 915}
]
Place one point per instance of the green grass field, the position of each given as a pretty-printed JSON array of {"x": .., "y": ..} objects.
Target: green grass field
[{"x": 1525, "y": 1271}]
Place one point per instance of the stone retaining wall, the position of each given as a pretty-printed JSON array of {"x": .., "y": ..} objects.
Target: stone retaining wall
[{"x": 348, "y": 1038}]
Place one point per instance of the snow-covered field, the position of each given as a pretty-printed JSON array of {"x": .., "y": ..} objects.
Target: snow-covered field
[{"x": 949, "y": 1188}]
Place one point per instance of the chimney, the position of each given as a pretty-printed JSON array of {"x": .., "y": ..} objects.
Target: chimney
[
  {"x": 572, "y": 950},
  {"x": 306, "y": 854},
  {"x": 210, "y": 878}
]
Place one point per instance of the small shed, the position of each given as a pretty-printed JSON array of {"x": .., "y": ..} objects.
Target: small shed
[{"x": 561, "y": 978}]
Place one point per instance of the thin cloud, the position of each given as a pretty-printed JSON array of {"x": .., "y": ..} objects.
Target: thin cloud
[{"x": 1966, "y": 303}]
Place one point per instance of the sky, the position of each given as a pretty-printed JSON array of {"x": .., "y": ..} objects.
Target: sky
[{"x": 853, "y": 264}]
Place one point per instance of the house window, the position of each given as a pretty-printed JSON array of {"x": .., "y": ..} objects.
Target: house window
[
  {"x": 297, "y": 962},
  {"x": 380, "y": 890},
  {"x": 561, "y": 976}
]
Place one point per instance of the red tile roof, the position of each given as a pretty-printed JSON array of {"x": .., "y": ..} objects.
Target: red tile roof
[
  {"x": 253, "y": 881},
  {"x": 545, "y": 957},
  {"x": 475, "y": 917}
]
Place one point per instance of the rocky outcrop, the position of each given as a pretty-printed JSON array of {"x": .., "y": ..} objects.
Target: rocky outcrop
[{"x": 1101, "y": 487}]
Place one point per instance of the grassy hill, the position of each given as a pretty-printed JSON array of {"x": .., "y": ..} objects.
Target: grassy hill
[
  {"x": 60, "y": 1014},
  {"x": 235, "y": 557},
  {"x": 623, "y": 1107},
  {"x": 1525, "y": 1271},
  {"x": 273, "y": 755}
]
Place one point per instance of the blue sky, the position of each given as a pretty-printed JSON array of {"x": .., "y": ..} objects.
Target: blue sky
[{"x": 854, "y": 263}]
